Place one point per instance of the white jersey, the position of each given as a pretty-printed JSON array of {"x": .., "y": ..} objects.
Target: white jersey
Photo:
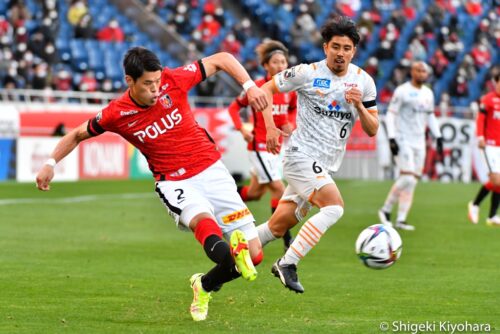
[
  {"x": 324, "y": 118},
  {"x": 411, "y": 107}
]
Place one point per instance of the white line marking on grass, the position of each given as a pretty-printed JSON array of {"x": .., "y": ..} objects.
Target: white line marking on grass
[{"x": 75, "y": 199}]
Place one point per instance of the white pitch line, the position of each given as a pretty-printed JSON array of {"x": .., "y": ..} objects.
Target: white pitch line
[{"x": 75, "y": 199}]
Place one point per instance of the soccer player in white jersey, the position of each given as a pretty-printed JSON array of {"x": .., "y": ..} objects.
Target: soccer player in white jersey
[
  {"x": 332, "y": 94},
  {"x": 409, "y": 113}
]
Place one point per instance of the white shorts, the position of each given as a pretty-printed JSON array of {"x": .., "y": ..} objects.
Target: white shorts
[
  {"x": 492, "y": 157},
  {"x": 411, "y": 159},
  {"x": 213, "y": 191},
  {"x": 304, "y": 176},
  {"x": 265, "y": 165}
]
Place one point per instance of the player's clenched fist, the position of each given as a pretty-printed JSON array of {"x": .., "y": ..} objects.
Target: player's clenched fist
[
  {"x": 273, "y": 140},
  {"x": 257, "y": 98},
  {"x": 45, "y": 175}
]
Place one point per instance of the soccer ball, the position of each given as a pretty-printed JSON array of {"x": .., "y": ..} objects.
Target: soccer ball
[{"x": 379, "y": 246}]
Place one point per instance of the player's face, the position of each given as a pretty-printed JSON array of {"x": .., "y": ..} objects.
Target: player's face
[
  {"x": 339, "y": 52},
  {"x": 146, "y": 88},
  {"x": 419, "y": 73},
  {"x": 276, "y": 64}
]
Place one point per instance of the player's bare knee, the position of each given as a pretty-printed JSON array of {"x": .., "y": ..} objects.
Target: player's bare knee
[{"x": 495, "y": 179}]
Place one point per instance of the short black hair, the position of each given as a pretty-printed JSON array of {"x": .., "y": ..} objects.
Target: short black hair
[
  {"x": 139, "y": 59},
  {"x": 340, "y": 26}
]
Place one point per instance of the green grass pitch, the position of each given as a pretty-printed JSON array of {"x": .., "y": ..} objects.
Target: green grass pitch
[{"x": 84, "y": 258}]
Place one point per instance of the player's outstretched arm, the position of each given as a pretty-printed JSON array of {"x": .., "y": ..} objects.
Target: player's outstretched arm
[
  {"x": 226, "y": 62},
  {"x": 62, "y": 149}
]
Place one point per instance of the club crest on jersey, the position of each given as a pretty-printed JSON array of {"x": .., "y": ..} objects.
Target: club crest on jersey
[
  {"x": 334, "y": 105},
  {"x": 166, "y": 101},
  {"x": 322, "y": 83}
]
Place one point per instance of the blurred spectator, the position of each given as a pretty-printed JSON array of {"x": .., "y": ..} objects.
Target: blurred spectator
[
  {"x": 111, "y": 33},
  {"x": 386, "y": 93},
  {"x": 385, "y": 50},
  {"x": 76, "y": 11},
  {"x": 219, "y": 16},
  {"x": 180, "y": 19},
  {"x": 13, "y": 80},
  {"x": 18, "y": 13},
  {"x": 436, "y": 13},
  {"x": 62, "y": 81},
  {"x": 197, "y": 40},
  {"x": 88, "y": 83},
  {"x": 467, "y": 68},
  {"x": 366, "y": 21},
  {"x": 84, "y": 28},
  {"x": 481, "y": 55},
  {"x": 459, "y": 87},
  {"x": 444, "y": 108},
  {"x": 5, "y": 27},
  {"x": 41, "y": 76},
  {"x": 473, "y": 7},
  {"x": 349, "y": 7},
  {"x": 209, "y": 29},
  {"x": 313, "y": 7},
  {"x": 385, "y": 5},
  {"x": 452, "y": 46},
  {"x": 107, "y": 86},
  {"x": 439, "y": 63},
  {"x": 232, "y": 45},
  {"x": 304, "y": 31},
  {"x": 371, "y": 67},
  {"x": 417, "y": 50},
  {"x": 243, "y": 30},
  {"x": 390, "y": 32}
]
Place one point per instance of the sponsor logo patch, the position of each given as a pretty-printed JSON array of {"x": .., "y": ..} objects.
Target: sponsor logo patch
[
  {"x": 190, "y": 67},
  {"x": 129, "y": 112},
  {"x": 322, "y": 83},
  {"x": 232, "y": 217}
]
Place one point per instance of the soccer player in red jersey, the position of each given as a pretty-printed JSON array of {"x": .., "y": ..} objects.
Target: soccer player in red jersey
[
  {"x": 265, "y": 170},
  {"x": 488, "y": 135},
  {"x": 199, "y": 193}
]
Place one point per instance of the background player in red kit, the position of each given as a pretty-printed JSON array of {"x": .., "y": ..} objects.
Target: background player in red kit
[
  {"x": 154, "y": 115},
  {"x": 265, "y": 171},
  {"x": 488, "y": 137}
]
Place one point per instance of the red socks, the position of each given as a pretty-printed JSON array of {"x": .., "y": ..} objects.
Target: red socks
[{"x": 205, "y": 228}]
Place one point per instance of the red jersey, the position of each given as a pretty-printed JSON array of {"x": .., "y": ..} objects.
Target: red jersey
[
  {"x": 488, "y": 119},
  {"x": 284, "y": 111},
  {"x": 167, "y": 134}
]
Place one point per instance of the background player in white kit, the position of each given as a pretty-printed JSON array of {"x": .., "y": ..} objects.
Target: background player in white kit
[
  {"x": 409, "y": 113},
  {"x": 332, "y": 94}
]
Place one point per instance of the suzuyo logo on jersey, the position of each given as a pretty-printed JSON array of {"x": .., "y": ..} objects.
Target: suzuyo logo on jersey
[{"x": 333, "y": 111}]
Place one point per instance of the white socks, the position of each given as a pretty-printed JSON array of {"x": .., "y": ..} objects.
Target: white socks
[
  {"x": 402, "y": 192},
  {"x": 310, "y": 233},
  {"x": 265, "y": 234}
]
